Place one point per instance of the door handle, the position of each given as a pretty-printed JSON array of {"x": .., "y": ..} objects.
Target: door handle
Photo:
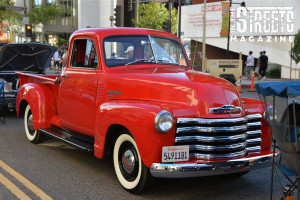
[{"x": 65, "y": 76}]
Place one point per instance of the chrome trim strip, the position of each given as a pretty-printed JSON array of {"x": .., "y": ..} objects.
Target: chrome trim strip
[
  {"x": 211, "y": 129},
  {"x": 252, "y": 149},
  {"x": 253, "y": 124},
  {"x": 218, "y": 148},
  {"x": 211, "y": 139},
  {"x": 218, "y": 156},
  {"x": 204, "y": 121},
  {"x": 254, "y": 133},
  {"x": 254, "y": 116},
  {"x": 167, "y": 170},
  {"x": 253, "y": 141}
]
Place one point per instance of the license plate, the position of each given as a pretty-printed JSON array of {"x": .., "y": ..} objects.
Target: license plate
[{"x": 175, "y": 153}]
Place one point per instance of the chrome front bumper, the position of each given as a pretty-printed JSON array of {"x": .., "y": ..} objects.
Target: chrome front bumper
[{"x": 162, "y": 170}]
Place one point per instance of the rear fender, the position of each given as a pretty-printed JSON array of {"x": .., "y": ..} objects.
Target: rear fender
[
  {"x": 42, "y": 102},
  {"x": 138, "y": 118}
]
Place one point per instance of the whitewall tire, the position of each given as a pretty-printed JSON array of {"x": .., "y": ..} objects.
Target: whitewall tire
[
  {"x": 31, "y": 134},
  {"x": 132, "y": 174}
]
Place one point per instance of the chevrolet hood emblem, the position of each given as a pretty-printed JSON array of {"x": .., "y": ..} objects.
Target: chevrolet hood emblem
[{"x": 226, "y": 109}]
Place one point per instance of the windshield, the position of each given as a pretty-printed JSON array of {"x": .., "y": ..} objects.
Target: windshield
[{"x": 130, "y": 50}]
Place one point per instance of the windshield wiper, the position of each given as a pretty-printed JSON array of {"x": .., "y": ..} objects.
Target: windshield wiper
[{"x": 140, "y": 60}]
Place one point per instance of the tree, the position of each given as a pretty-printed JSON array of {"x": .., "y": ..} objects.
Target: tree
[
  {"x": 295, "y": 51},
  {"x": 152, "y": 15},
  {"x": 43, "y": 14},
  {"x": 7, "y": 15}
]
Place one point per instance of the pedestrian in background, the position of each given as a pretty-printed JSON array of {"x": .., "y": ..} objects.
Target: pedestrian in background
[
  {"x": 61, "y": 53},
  {"x": 249, "y": 65},
  {"x": 64, "y": 60},
  {"x": 1, "y": 46},
  {"x": 56, "y": 61},
  {"x": 258, "y": 65},
  {"x": 263, "y": 65}
]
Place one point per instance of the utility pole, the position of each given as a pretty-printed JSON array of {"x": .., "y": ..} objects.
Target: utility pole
[
  {"x": 25, "y": 13},
  {"x": 228, "y": 37},
  {"x": 137, "y": 10},
  {"x": 170, "y": 13},
  {"x": 204, "y": 37},
  {"x": 179, "y": 19}
]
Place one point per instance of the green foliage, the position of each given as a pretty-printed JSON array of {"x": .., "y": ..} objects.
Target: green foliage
[
  {"x": 274, "y": 72},
  {"x": 196, "y": 47},
  {"x": 295, "y": 51},
  {"x": 8, "y": 15},
  {"x": 44, "y": 14},
  {"x": 152, "y": 15},
  {"x": 62, "y": 41}
]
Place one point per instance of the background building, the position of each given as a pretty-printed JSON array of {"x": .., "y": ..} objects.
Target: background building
[{"x": 274, "y": 40}]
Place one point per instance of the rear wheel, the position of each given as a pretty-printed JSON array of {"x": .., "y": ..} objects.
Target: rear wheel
[
  {"x": 132, "y": 174},
  {"x": 31, "y": 134}
]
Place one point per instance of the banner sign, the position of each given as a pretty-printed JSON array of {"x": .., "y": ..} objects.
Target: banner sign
[
  {"x": 192, "y": 20},
  {"x": 225, "y": 18},
  {"x": 270, "y": 22}
]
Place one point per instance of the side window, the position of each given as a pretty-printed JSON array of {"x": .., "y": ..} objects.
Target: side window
[{"x": 84, "y": 54}]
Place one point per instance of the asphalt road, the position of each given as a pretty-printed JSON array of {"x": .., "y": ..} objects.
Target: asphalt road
[{"x": 55, "y": 170}]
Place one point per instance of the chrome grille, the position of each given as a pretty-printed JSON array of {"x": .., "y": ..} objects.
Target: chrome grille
[{"x": 220, "y": 138}]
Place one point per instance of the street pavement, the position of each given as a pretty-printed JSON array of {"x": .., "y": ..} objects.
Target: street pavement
[
  {"x": 247, "y": 83},
  {"x": 65, "y": 173}
]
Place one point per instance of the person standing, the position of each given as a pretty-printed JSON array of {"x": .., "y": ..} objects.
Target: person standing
[
  {"x": 249, "y": 65},
  {"x": 64, "y": 60},
  {"x": 263, "y": 65},
  {"x": 61, "y": 53},
  {"x": 56, "y": 61}
]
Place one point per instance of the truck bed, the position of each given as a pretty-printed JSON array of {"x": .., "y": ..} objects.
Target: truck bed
[{"x": 51, "y": 81}]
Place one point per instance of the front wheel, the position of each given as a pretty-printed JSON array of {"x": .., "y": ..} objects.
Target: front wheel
[
  {"x": 31, "y": 134},
  {"x": 132, "y": 174}
]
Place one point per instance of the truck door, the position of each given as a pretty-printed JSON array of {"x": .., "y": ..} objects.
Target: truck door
[{"x": 78, "y": 88}]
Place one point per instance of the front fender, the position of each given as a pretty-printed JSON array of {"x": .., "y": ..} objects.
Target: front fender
[
  {"x": 42, "y": 102},
  {"x": 138, "y": 117},
  {"x": 253, "y": 106}
]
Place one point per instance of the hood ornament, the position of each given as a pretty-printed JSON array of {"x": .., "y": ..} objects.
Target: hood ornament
[{"x": 226, "y": 109}]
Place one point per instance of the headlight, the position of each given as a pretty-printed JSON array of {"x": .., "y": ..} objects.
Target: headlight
[
  {"x": 269, "y": 113},
  {"x": 164, "y": 121}
]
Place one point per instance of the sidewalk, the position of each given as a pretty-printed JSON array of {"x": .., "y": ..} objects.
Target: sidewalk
[{"x": 247, "y": 83}]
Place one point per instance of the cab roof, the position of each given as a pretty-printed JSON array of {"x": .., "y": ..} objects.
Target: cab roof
[{"x": 104, "y": 32}]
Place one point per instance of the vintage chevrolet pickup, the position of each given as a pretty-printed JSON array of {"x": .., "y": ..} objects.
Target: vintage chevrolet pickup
[{"x": 132, "y": 92}]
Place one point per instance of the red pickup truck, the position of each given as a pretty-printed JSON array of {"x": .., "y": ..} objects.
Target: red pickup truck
[{"x": 132, "y": 92}]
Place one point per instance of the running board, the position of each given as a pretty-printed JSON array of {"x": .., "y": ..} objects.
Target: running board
[{"x": 71, "y": 140}]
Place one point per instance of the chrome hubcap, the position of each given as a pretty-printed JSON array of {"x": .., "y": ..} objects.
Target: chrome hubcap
[
  {"x": 30, "y": 124},
  {"x": 128, "y": 161}
]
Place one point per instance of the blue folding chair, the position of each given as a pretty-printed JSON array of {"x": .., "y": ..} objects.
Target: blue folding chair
[
  {"x": 281, "y": 101},
  {"x": 2, "y": 103}
]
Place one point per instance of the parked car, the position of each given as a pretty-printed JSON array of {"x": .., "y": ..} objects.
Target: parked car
[
  {"x": 31, "y": 58},
  {"x": 132, "y": 92}
]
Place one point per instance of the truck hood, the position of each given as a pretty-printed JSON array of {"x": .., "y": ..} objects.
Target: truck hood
[
  {"x": 197, "y": 91},
  {"x": 25, "y": 57}
]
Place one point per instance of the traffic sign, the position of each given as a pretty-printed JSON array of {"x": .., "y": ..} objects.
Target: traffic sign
[{"x": 18, "y": 8}]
